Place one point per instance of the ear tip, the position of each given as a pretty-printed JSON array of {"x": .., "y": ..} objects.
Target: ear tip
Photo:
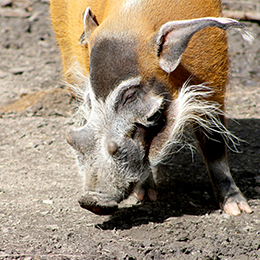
[
  {"x": 87, "y": 13},
  {"x": 165, "y": 65},
  {"x": 169, "y": 65},
  {"x": 90, "y": 23}
]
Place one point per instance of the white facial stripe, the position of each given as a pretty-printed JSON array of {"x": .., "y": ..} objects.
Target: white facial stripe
[
  {"x": 111, "y": 99},
  {"x": 102, "y": 112}
]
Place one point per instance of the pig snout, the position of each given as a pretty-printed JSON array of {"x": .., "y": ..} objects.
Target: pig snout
[
  {"x": 94, "y": 203},
  {"x": 111, "y": 167}
]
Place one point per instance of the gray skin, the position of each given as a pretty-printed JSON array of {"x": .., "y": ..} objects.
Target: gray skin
[{"x": 118, "y": 145}]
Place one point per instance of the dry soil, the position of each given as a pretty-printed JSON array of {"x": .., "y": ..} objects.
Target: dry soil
[{"x": 40, "y": 217}]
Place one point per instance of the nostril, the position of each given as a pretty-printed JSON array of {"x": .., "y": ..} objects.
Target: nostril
[{"x": 112, "y": 147}]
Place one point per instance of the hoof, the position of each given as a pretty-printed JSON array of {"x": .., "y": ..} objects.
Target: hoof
[{"x": 235, "y": 205}]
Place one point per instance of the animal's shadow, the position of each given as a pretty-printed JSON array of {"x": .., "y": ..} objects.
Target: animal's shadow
[{"x": 184, "y": 187}]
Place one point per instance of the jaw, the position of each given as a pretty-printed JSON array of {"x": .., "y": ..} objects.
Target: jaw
[
  {"x": 103, "y": 198},
  {"x": 105, "y": 202}
]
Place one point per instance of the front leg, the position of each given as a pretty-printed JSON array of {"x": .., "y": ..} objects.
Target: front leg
[
  {"x": 146, "y": 190},
  {"x": 229, "y": 196}
]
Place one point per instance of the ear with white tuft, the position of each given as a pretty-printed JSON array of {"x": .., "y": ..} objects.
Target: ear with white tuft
[
  {"x": 173, "y": 37},
  {"x": 89, "y": 26}
]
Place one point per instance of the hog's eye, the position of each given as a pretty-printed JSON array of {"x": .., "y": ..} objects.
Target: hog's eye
[{"x": 129, "y": 96}]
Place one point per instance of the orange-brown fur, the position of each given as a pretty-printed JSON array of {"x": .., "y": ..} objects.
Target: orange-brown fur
[{"x": 205, "y": 58}]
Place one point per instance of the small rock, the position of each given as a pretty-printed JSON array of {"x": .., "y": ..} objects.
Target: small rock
[
  {"x": 53, "y": 227},
  {"x": 44, "y": 213},
  {"x": 35, "y": 16},
  {"x": 20, "y": 70},
  {"x": 47, "y": 201},
  {"x": 5, "y": 230}
]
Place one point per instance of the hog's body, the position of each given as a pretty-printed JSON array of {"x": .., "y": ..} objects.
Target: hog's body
[{"x": 148, "y": 72}]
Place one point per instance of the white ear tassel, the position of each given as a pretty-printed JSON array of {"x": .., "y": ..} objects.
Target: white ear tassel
[{"x": 246, "y": 34}]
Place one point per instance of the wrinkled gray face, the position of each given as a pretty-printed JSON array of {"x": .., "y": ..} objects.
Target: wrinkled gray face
[{"x": 113, "y": 147}]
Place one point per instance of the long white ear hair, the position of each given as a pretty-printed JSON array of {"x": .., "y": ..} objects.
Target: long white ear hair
[{"x": 192, "y": 109}]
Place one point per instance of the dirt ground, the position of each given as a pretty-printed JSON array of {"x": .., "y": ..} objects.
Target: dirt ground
[{"x": 40, "y": 217}]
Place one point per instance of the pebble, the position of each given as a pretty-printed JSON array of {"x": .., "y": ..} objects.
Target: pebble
[
  {"x": 20, "y": 70},
  {"x": 53, "y": 227},
  {"x": 47, "y": 202}
]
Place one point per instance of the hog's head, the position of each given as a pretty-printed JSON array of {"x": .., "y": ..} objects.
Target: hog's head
[{"x": 112, "y": 149}]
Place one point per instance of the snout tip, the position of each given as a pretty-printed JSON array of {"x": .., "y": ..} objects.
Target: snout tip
[{"x": 91, "y": 204}]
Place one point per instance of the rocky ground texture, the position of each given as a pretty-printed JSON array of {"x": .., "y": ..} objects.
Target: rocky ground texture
[{"x": 40, "y": 217}]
